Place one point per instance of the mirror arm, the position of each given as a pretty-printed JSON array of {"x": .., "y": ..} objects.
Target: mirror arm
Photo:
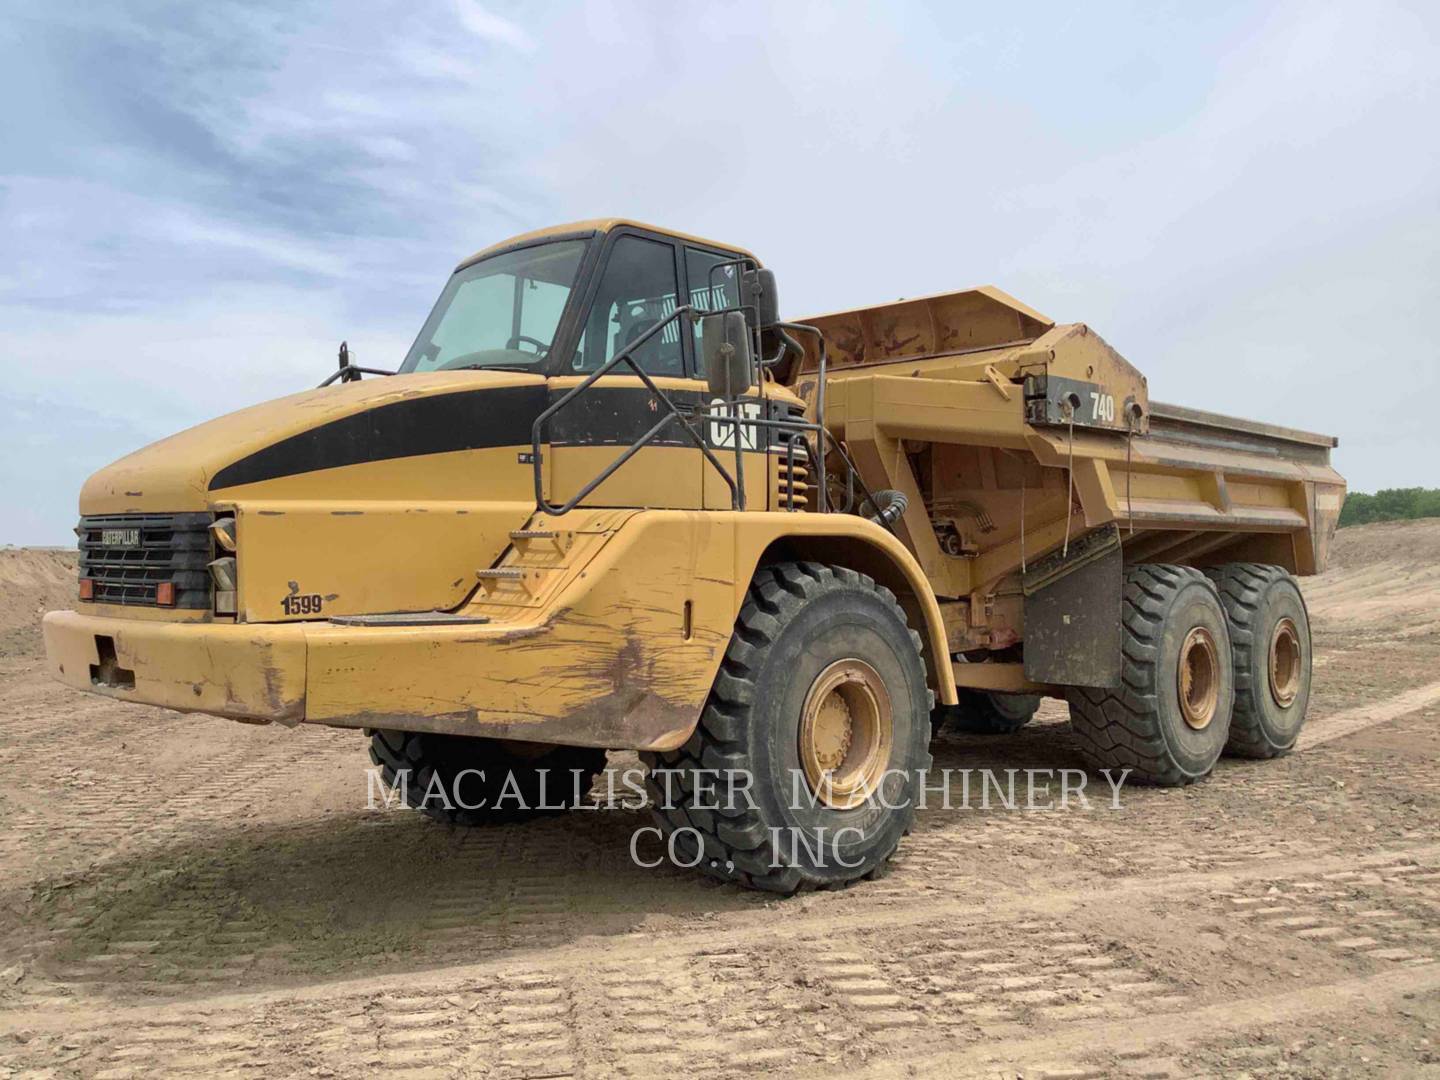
[
  {"x": 351, "y": 373},
  {"x": 789, "y": 347}
]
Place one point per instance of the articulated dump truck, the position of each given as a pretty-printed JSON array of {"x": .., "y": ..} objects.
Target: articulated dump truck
[{"x": 612, "y": 501}]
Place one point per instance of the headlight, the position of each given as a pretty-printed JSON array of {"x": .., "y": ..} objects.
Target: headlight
[{"x": 223, "y": 530}]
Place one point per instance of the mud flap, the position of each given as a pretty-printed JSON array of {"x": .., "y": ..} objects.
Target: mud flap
[{"x": 1072, "y": 613}]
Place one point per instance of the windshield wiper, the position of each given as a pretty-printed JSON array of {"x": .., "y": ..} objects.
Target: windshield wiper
[{"x": 494, "y": 367}]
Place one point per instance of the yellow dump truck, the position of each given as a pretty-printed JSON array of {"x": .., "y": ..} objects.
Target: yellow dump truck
[{"x": 611, "y": 500}]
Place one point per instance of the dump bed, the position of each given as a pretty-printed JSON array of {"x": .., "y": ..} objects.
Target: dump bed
[{"x": 1013, "y": 435}]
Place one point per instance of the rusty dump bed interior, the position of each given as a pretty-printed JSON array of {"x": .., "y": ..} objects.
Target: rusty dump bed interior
[
  {"x": 947, "y": 324},
  {"x": 951, "y": 399}
]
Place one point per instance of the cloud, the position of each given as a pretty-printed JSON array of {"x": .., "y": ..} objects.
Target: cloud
[
  {"x": 276, "y": 249},
  {"x": 491, "y": 27},
  {"x": 79, "y": 393}
]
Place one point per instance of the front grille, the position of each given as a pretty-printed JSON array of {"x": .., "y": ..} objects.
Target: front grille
[{"x": 170, "y": 547}]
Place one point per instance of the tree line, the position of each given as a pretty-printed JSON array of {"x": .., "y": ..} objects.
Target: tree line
[{"x": 1391, "y": 504}]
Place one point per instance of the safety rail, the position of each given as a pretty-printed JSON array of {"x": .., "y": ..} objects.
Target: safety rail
[{"x": 672, "y": 414}]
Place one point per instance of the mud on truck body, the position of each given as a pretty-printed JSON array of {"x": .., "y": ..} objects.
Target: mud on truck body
[{"x": 611, "y": 500}]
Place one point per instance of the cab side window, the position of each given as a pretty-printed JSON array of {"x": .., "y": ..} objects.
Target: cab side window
[
  {"x": 637, "y": 289},
  {"x": 711, "y": 289}
]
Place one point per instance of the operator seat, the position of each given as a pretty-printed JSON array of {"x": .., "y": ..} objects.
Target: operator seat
[{"x": 659, "y": 356}]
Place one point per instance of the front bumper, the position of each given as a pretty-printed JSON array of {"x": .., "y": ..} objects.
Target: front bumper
[
  {"x": 560, "y": 683},
  {"x": 245, "y": 672}
]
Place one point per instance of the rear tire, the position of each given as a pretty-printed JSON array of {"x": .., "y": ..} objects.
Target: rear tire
[
  {"x": 466, "y": 780},
  {"x": 1270, "y": 641},
  {"x": 817, "y": 651},
  {"x": 981, "y": 712},
  {"x": 1168, "y": 719}
]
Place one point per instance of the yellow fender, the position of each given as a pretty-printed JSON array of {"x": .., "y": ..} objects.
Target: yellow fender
[{"x": 608, "y": 630}]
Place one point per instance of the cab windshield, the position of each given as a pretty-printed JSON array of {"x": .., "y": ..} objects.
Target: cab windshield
[{"x": 500, "y": 312}]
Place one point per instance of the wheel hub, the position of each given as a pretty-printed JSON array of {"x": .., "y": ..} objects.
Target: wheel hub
[
  {"x": 1199, "y": 678},
  {"x": 846, "y": 733},
  {"x": 1285, "y": 663}
]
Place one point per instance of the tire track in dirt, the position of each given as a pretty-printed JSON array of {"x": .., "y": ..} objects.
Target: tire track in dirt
[
  {"x": 1323, "y": 729},
  {"x": 1148, "y": 1046},
  {"x": 205, "y": 931},
  {"x": 1403, "y": 869},
  {"x": 491, "y": 892},
  {"x": 781, "y": 997},
  {"x": 110, "y": 808}
]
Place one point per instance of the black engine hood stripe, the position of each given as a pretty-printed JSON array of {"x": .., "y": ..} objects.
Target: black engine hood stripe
[
  {"x": 462, "y": 420},
  {"x": 437, "y": 424}
]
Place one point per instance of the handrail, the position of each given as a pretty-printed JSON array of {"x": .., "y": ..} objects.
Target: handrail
[
  {"x": 673, "y": 412},
  {"x": 737, "y": 493}
]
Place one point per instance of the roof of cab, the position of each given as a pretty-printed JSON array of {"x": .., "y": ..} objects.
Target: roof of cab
[{"x": 600, "y": 225}]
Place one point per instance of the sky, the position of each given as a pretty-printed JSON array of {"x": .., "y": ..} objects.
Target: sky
[{"x": 199, "y": 201}]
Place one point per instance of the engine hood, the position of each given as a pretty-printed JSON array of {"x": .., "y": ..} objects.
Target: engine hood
[{"x": 375, "y": 420}]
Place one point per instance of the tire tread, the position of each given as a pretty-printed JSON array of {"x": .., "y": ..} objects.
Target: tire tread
[
  {"x": 1119, "y": 728},
  {"x": 419, "y": 754},
  {"x": 739, "y": 836},
  {"x": 1242, "y": 587}
]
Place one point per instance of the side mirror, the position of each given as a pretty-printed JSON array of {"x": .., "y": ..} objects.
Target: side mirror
[
  {"x": 757, "y": 290},
  {"x": 725, "y": 350}
]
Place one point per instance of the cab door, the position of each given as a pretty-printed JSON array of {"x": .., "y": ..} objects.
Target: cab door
[{"x": 636, "y": 285}]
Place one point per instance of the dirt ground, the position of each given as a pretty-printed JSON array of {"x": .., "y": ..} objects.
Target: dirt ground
[{"x": 182, "y": 895}]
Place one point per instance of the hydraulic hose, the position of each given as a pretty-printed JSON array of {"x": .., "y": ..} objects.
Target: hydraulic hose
[{"x": 890, "y": 506}]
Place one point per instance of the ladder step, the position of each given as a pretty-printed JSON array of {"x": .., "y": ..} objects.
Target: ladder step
[
  {"x": 503, "y": 573},
  {"x": 534, "y": 534}
]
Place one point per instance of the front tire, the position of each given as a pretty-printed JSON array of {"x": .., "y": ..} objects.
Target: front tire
[
  {"x": 820, "y": 701},
  {"x": 1168, "y": 719},
  {"x": 467, "y": 780},
  {"x": 1270, "y": 640}
]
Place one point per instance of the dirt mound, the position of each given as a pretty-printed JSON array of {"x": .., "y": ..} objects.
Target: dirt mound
[
  {"x": 1385, "y": 575},
  {"x": 1408, "y": 543},
  {"x": 32, "y": 582}
]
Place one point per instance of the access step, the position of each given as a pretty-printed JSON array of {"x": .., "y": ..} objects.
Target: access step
[{"x": 560, "y": 538}]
